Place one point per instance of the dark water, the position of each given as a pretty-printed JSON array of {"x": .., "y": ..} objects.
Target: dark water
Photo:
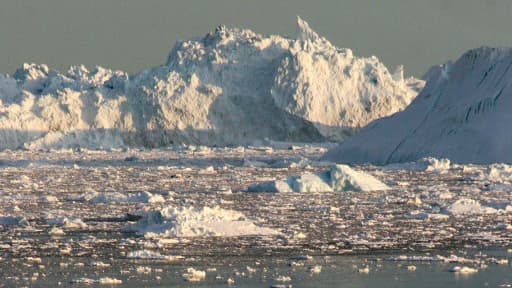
[{"x": 336, "y": 271}]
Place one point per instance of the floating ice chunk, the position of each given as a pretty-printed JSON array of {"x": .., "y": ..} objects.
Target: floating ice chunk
[
  {"x": 116, "y": 197},
  {"x": 500, "y": 187},
  {"x": 424, "y": 215},
  {"x": 309, "y": 182},
  {"x": 417, "y": 258},
  {"x": 109, "y": 281},
  {"x": 13, "y": 221},
  {"x": 48, "y": 199},
  {"x": 101, "y": 281},
  {"x": 301, "y": 257},
  {"x": 364, "y": 270},
  {"x": 317, "y": 269},
  {"x": 147, "y": 254},
  {"x": 253, "y": 163},
  {"x": 504, "y": 226},
  {"x": 499, "y": 172},
  {"x": 425, "y": 164},
  {"x": 468, "y": 206},
  {"x": 197, "y": 222},
  {"x": 344, "y": 178},
  {"x": 143, "y": 270},
  {"x": 83, "y": 281},
  {"x": 463, "y": 270},
  {"x": 282, "y": 278},
  {"x": 271, "y": 186},
  {"x": 68, "y": 223},
  {"x": 56, "y": 232},
  {"x": 338, "y": 178},
  {"x": 193, "y": 275}
]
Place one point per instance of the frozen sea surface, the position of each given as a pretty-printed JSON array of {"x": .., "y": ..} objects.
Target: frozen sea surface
[{"x": 53, "y": 231}]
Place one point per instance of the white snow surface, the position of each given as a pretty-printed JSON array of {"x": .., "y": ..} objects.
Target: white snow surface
[
  {"x": 232, "y": 86},
  {"x": 173, "y": 222},
  {"x": 339, "y": 178},
  {"x": 462, "y": 114}
]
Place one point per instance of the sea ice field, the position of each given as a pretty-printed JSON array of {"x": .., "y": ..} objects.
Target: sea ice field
[{"x": 186, "y": 216}]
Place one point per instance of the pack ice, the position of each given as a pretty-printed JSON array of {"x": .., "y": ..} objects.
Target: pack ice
[
  {"x": 232, "y": 86},
  {"x": 463, "y": 114},
  {"x": 339, "y": 178}
]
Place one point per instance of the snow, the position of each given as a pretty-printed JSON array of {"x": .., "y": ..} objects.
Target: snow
[
  {"x": 339, "y": 178},
  {"x": 232, "y": 86},
  {"x": 173, "y": 222},
  {"x": 462, "y": 114}
]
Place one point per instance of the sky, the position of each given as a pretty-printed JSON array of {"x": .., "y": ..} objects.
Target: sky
[{"x": 132, "y": 35}]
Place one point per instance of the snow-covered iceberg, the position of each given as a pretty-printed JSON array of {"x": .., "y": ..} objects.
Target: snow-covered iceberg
[
  {"x": 173, "y": 222},
  {"x": 463, "y": 114},
  {"x": 232, "y": 86},
  {"x": 339, "y": 178}
]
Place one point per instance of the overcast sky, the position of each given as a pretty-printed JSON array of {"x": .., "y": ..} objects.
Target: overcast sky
[{"x": 135, "y": 34}]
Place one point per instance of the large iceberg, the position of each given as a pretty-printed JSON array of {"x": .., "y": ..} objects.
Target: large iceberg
[
  {"x": 232, "y": 86},
  {"x": 463, "y": 114}
]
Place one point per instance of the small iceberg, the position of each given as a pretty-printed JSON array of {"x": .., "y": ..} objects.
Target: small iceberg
[
  {"x": 429, "y": 164},
  {"x": 466, "y": 206},
  {"x": 173, "y": 222},
  {"x": 339, "y": 178}
]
